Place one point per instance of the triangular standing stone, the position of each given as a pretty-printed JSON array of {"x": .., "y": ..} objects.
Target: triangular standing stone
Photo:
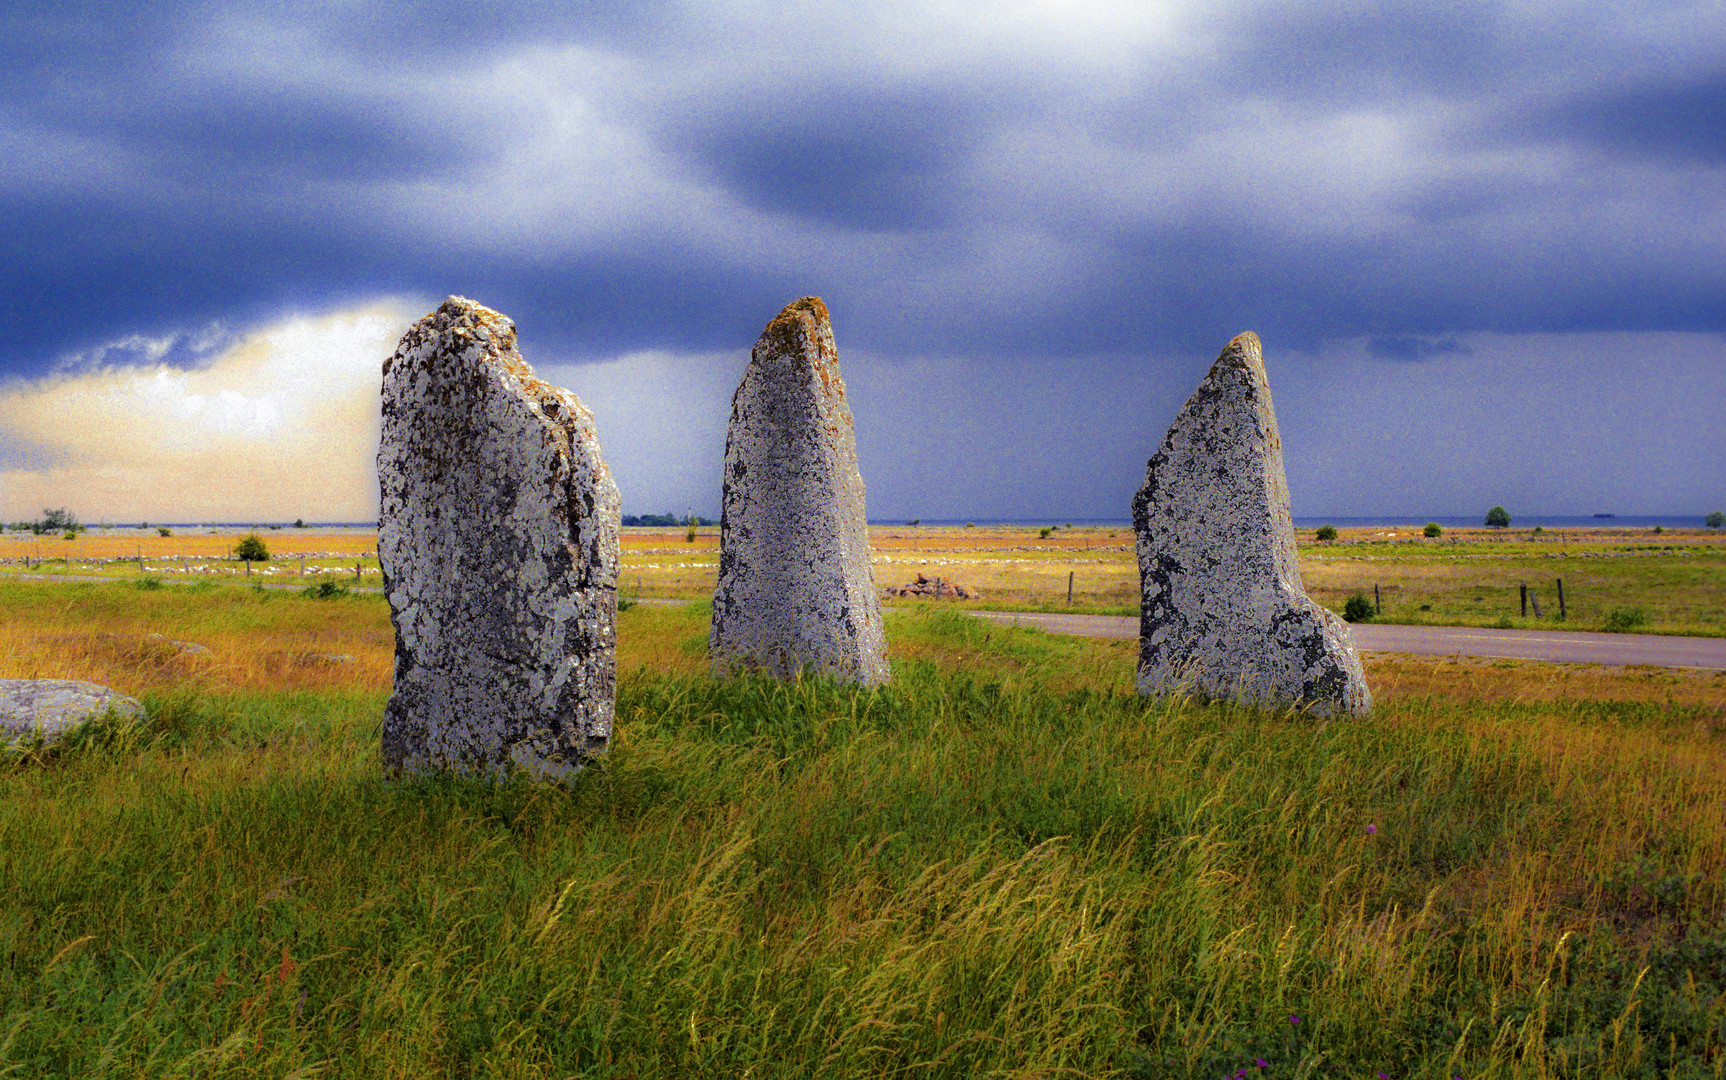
[
  {"x": 497, "y": 534},
  {"x": 1222, "y": 610},
  {"x": 795, "y": 585}
]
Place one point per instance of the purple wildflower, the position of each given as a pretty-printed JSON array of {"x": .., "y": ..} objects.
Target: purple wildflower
[
  {"x": 1293, "y": 1019},
  {"x": 1372, "y": 830},
  {"x": 1261, "y": 1063}
]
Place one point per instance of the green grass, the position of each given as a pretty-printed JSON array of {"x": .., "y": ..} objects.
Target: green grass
[{"x": 1002, "y": 864}]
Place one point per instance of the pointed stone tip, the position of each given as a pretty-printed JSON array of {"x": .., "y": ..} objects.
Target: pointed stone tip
[
  {"x": 459, "y": 308},
  {"x": 1243, "y": 352},
  {"x": 802, "y": 320},
  {"x": 804, "y": 306}
]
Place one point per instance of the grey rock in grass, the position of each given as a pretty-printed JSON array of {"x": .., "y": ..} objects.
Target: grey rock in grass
[
  {"x": 795, "y": 586},
  {"x": 55, "y": 707},
  {"x": 497, "y": 536},
  {"x": 1222, "y": 608}
]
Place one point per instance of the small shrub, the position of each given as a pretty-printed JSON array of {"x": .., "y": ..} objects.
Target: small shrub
[
  {"x": 1358, "y": 609},
  {"x": 1622, "y": 620},
  {"x": 1716, "y": 520},
  {"x": 1503, "y": 623},
  {"x": 1433, "y": 530},
  {"x": 1326, "y": 532},
  {"x": 1659, "y": 529},
  {"x": 71, "y": 534},
  {"x": 148, "y": 584},
  {"x": 251, "y": 549},
  {"x": 1538, "y": 530},
  {"x": 624, "y": 603},
  {"x": 1498, "y": 518},
  {"x": 970, "y": 524},
  {"x": 325, "y": 590},
  {"x": 163, "y": 530},
  {"x": 1426, "y": 607},
  {"x": 1043, "y": 534}
]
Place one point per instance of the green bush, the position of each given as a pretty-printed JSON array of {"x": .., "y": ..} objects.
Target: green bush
[
  {"x": 148, "y": 584},
  {"x": 1043, "y": 534},
  {"x": 251, "y": 549},
  {"x": 1433, "y": 530},
  {"x": 163, "y": 530},
  {"x": 325, "y": 590},
  {"x": 1716, "y": 520},
  {"x": 1498, "y": 518},
  {"x": 71, "y": 534},
  {"x": 1358, "y": 609},
  {"x": 1622, "y": 620},
  {"x": 1326, "y": 532}
]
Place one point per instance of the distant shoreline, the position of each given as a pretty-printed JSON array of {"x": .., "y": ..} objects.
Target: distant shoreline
[{"x": 1620, "y": 522}]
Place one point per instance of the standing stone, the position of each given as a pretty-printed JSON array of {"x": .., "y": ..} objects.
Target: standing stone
[
  {"x": 1222, "y": 609},
  {"x": 497, "y": 536},
  {"x": 795, "y": 585},
  {"x": 55, "y": 707}
]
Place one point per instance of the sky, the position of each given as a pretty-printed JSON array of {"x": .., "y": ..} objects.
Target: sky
[{"x": 1484, "y": 244}]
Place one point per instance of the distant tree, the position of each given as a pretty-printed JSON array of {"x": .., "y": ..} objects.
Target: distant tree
[
  {"x": 1716, "y": 519},
  {"x": 299, "y": 523},
  {"x": 1326, "y": 532},
  {"x": 1433, "y": 529},
  {"x": 163, "y": 530},
  {"x": 915, "y": 521},
  {"x": 1358, "y": 608},
  {"x": 1044, "y": 533},
  {"x": 57, "y": 521},
  {"x": 1497, "y": 518},
  {"x": 251, "y": 549}
]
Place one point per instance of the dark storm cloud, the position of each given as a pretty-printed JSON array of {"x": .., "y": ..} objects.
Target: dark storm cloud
[
  {"x": 1680, "y": 120},
  {"x": 630, "y": 176},
  {"x": 856, "y": 160}
]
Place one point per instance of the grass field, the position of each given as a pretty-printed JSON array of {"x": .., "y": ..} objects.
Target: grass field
[
  {"x": 1614, "y": 579},
  {"x": 1003, "y": 864}
]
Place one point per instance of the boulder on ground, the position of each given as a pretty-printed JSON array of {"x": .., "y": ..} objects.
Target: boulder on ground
[
  {"x": 938, "y": 588},
  {"x": 795, "y": 586},
  {"x": 497, "y": 536},
  {"x": 1223, "y": 611},
  {"x": 54, "y": 707}
]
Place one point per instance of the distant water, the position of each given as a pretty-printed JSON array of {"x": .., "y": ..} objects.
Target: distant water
[{"x": 1449, "y": 521}]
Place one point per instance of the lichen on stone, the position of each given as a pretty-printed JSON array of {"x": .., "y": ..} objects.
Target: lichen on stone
[
  {"x": 796, "y": 591},
  {"x": 1222, "y": 608},
  {"x": 497, "y": 537}
]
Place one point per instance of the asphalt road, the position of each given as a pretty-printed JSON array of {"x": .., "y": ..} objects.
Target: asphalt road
[{"x": 1563, "y": 646}]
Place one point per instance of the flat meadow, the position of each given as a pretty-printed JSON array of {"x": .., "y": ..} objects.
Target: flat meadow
[
  {"x": 1633, "y": 580},
  {"x": 1004, "y": 863}
]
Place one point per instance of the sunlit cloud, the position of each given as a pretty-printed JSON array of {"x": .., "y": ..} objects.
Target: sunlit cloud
[{"x": 280, "y": 424}]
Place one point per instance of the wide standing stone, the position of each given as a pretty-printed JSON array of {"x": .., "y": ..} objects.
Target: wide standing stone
[
  {"x": 497, "y": 536},
  {"x": 54, "y": 707},
  {"x": 795, "y": 585},
  {"x": 1222, "y": 609}
]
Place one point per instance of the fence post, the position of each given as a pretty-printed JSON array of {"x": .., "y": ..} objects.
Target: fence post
[
  {"x": 1535, "y": 600},
  {"x": 1525, "y": 601},
  {"x": 1377, "y": 608},
  {"x": 1561, "y": 599},
  {"x": 1069, "y": 588},
  {"x": 248, "y": 568}
]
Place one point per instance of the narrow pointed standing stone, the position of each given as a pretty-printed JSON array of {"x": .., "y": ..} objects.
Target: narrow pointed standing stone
[
  {"x": 497, "y": 535},
  {"x": 795, "y": 584},
  {"x": 1222, "y": 609}
]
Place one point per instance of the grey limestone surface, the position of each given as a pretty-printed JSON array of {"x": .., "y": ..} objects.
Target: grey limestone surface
[
  {"x": 1222, "y": 608},
  {"x": 56, "y": 706},
  {"x": 795, "y": 586},
  {"x": 497, "y": 536}
]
